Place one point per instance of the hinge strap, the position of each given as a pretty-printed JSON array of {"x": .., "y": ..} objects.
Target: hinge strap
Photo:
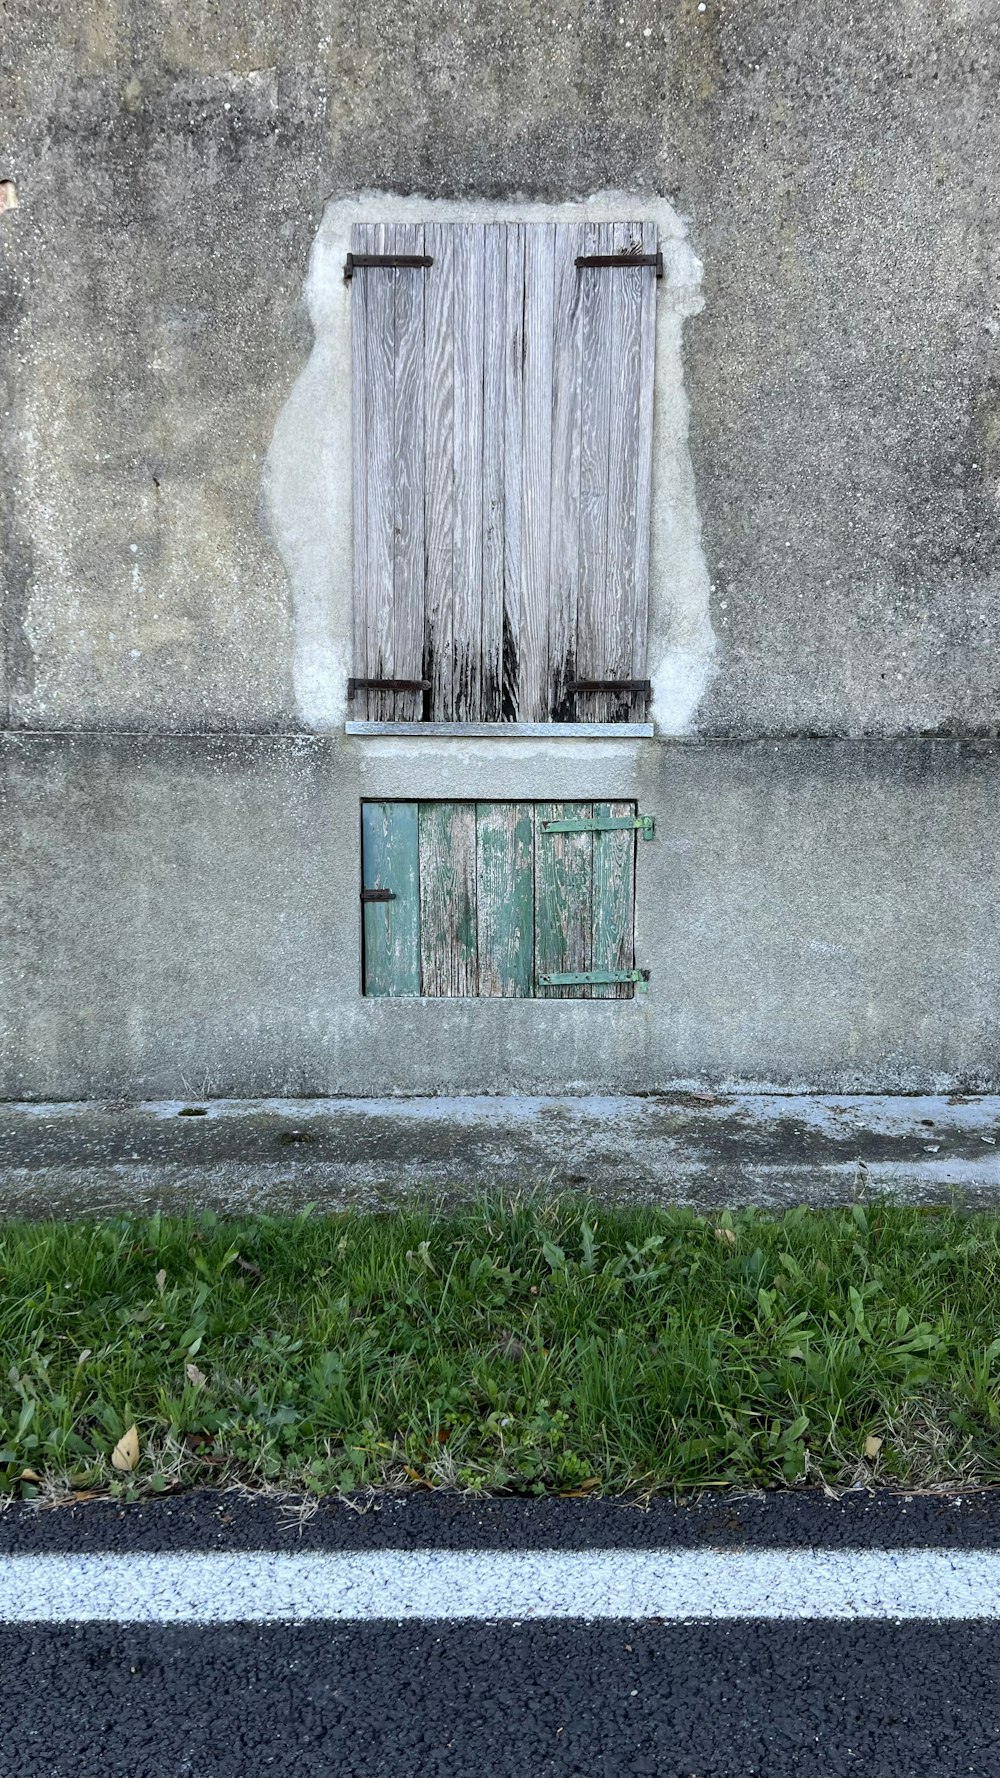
[
  {"x": 591, "y": 978},
  {"x": 356, "y": 685},
  {"x": 620, "y": 259},
  {"x": 410, "y": 261},
  {"x": 642, "y": 687},
  {"x": 378, "y": 894},
  {"x": 601, "y": 824}
]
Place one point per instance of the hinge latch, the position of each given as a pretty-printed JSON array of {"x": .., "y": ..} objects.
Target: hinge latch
[
  {"x": 378, "y": 894},
  {"x": 594, "y": 978},
  {"x": 642, "y": 824}
]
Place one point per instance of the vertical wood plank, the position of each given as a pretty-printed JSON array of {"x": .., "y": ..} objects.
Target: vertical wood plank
[
  {"x": 359, "y": 446},
  {"x": 439, "y": 492},
  {"x": 494, "y": 306},
  {"x": 513, "y": 398},
  {"x": 564, "y": 525},
  {"x": 614, "y": 902},
  {"x": 505, "y": 899},
  {"x": 621, "y": 615},
  {"x": 594, "y": 617},
  {"x": 644, "y": 478},
  {"x": 408, "y": 491},
  {"x": 380, "y": 426},
  {"x": 469, "y": 250},
  {"x": 539, "y": 271},
  {"x": 563, "y": 898},
  {"x": 448, "y": 898},
  {"x": 389, "y": 860}
]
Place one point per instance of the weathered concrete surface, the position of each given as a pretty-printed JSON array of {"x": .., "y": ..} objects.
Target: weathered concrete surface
[
  {"x": 838, "y": 161},
  {"x": 183, "y": 918},
  {"x": 375, "y": 1154}
]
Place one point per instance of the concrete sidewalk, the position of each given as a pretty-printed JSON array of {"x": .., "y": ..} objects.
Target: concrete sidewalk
[{"x": 772, "y": 1149}]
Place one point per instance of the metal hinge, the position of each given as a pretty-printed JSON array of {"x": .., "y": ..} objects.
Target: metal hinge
[
  {"x": 594, "y": 978},
  {"x": 601, "y": 824},
  {"x": 621, "y": 259},
  {"x": 378, "y": 894},
  {"x": 640, "y": 687},
  {"x": 410, "y": 261},
  {"x": 356, "y": 685}
]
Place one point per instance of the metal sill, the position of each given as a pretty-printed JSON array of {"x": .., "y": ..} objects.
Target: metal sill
[{"x": 507, "y": 731}]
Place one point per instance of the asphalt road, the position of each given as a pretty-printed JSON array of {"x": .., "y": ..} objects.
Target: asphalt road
[{"x": 883, "y": 1689}]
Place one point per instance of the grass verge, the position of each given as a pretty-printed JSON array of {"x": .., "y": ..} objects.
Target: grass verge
[{"x": 522, "y": 1346}]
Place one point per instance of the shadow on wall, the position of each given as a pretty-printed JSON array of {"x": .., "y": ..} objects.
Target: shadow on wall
[{"x": 309, "y": 472}]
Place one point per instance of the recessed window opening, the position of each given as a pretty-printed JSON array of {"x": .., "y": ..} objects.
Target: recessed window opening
[
  {"x": 501, "y": 900},
  {"x": 503, "y": 423}
]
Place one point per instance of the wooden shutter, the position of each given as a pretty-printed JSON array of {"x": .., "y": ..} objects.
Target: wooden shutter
[
  {"x": 485, "y": 901},
  {"x": 503, "y": 411}
]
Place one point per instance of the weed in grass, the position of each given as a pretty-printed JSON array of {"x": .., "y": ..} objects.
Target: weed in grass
[{"x": 513, "y": 1346}]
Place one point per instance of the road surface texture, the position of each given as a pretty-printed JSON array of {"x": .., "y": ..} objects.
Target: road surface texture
[{"x": 220, "y": 1636}]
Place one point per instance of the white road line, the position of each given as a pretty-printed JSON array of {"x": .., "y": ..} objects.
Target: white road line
[{"x": 509, "y": 1585}]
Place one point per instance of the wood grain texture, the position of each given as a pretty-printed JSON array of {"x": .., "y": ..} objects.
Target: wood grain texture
[
  {"x": 513, "y": 400},
  {"x": 494, "y": 336},
  {"x": 644, "y": 477},
  {"x": 505, "y": 899},
  {"x": 448, "y": 899},
  {"x": 359, "y": 446},
  {"x": 390, "y": 860},
  {"x": 380, "y": 371},
  {"x": 408, "y": 473},
  {"x": 620, "y": 615},
  {"x": 564, "y": 520},
  {"x": 594, "y": 618},
  {"x": 439, "y": 420},
  {"x": 614, "y": 902},
  {"x": 563, "y": 899},
  {"x": 467, "y": 634},
  {"x": 536, "y": 460}
]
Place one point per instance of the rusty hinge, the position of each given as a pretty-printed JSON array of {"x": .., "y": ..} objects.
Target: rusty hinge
[
  {"x": 621, "y": 259},
  {"x": 601, "y": 824},
  {"x": 593, "y": 978},
  {"x": 356, "y": 685},
  {"x": 641, "y": 687},
  {"x": 410, "y": 261},
  {"x": 378, "y": 894}
]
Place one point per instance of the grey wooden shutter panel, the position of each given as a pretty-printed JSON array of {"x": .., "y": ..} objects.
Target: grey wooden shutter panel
[{"x": 503, "y": 403}]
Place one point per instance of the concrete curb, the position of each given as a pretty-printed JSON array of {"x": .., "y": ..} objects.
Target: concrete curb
[{"x": 377, "y": 1154}]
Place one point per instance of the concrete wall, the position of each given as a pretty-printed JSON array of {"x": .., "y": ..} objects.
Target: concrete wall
[
  {"x": 819, "y": 907},
  {"x": 185, "y": 920}
]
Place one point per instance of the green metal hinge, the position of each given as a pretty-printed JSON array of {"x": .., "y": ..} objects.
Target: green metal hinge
[
  {"x": 594, "y": 978},
  {"x": 602, "y": 824}
]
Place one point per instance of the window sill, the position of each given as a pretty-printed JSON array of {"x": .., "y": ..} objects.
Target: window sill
[{"x": 507, "y": 731}]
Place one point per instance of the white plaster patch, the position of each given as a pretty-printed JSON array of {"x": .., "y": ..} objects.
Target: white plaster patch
[{"x": 308, "y": 472}]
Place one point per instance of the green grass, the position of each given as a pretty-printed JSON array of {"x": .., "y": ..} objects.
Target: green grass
[{"x": 525, "y": 1346}]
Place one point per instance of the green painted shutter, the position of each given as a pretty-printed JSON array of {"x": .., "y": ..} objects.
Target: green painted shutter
[
  {"x": 489, "y": 899},
  {"x": 505, "y": 876},
  {"x": 390, "y": 860}
]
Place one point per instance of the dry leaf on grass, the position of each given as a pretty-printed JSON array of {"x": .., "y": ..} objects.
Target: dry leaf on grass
[
  {"x": 161, "y": 1279},
  {"x": 195, "y": 1377},
  {"x": 872, "y": 1446},
  {"x": 125, "y": 1455}
]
